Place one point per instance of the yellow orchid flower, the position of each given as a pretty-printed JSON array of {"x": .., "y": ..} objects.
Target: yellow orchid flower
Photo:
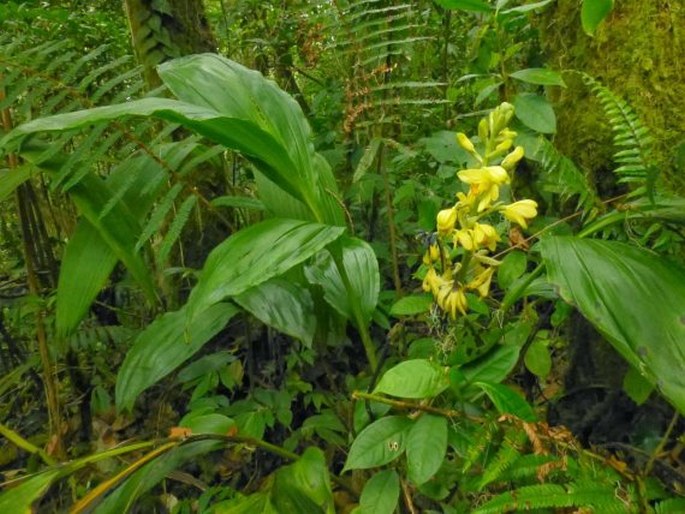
[
  {"x": 485, "y": 236},
  {"x": 481, "y": 282},
  {"x": 446, "y": 219},
  {"x": 485, "y": 183},
  {"x": 520, "y": 212}
]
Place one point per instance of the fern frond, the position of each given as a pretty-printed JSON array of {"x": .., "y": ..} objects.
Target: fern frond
[
  {"x": 508, "y": 453},
  {"x": 601, "y": 498},
  {"x": 176, "y": 228},
  {"x": 159, "y": 215},
  {"x": 562, "y": 177},
  {"x": 631, "y": 139}
]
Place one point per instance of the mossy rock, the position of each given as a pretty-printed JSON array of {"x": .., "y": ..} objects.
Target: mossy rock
[{"x": 637, "y": 52}]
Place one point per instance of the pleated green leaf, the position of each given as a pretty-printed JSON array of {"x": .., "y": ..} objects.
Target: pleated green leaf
[
  {"x": 634, "y": 297},
  {"x": 86, "y": 265},
  {"x": 163, "y": 346},
  {"x": 204, "y": 80},
  {"x": 254, "y": 255},
  {"x": 361, "y": 268},
  {"x": 283, "y": 305}
]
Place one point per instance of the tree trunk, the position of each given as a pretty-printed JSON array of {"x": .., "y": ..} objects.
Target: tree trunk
[
  {"x": 637, "y": 53},
  {"x": 165, "y": 29}
]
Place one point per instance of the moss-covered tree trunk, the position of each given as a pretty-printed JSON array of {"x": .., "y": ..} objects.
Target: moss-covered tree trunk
[
  {"x": 638, "y": 53},
  {"x": 164, "y": 29}
]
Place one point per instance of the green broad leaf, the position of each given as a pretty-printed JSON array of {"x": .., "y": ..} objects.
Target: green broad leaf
[
  {"x": 381, "y": 442},
  {"x": 86, "y": 265},
  {"x": 207, "y": 423},
  {"x": 238, "y": 202},
  {"x": 361, "y": 268},
  {"x": 381, "y": 493},
  {"x": 283, "y": 305},
  {"x": 412, "y": 305},
  {"x": 255, "y": 254},
  {"x": 20, "y": 499},
  {"x": 426, "y": 447},
  {"x": 493, "y": 367},
  {"x": 593, "y": 13},
  {"x": 304, "y": 486},
  {"x": 512, "y": 267},
  {"x": 507, "y": 401},
  {"x": 123, "y": 498},
  {"x": 163, "y": 346},
  {"x": 418, "y": 378},
  {"x": 465, "y": 5},
  {"x": 262, "y": 107},
  {"x": 636, "y": 299},
  {"x": 539, "y": 76},
  {"x": 536, "y": 113},
  {"x": 537, "y": 358},
  {"x": 637, "y": 387},
  {"x": 443, "y": 147}
]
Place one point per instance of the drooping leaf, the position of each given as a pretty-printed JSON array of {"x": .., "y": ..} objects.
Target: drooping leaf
[
  {"x": 163, "y": 346},
  {"x": 304, "y": 486},
  {"x": 593, "y": 13},
  {"x": 203, "y": 80},
  {"x": 507, "y": 401},
  {"x": 417, "y": 378},
  {"x": 526, "y": 7},
  {"x": 256, "y": 254},
  {"x": 283, "y": 305},
  {"x": 257, "y": 503},
  {"x": 361, "y": 268},
  {"x": 381, "y": 493},
  {"x": 535, "y": 112},
  {"x": 633, "y": 297},
  {"x": 87, "y": 263},
  {"x": 540, "y": 76},
  {"x": 426, "y": 447},
  {"x": 379, "y": 443}
]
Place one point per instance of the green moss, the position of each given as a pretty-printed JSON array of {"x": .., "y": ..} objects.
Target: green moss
[{"x": 638, "y": 53}]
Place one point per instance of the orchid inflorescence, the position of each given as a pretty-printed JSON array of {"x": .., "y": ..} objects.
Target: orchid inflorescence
[{"x": 463, "y": 225}]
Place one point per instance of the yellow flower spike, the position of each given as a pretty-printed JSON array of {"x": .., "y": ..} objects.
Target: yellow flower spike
[
  {"x": 513, "y": 158},
  {"x": 465, "y": 142},
  {"x": 520, "y": 212},
  {"x": 456, "y": 301},
  {"x": 485, "y": 236},
  {"x": 504, "y": 146},
  {"x": 464, "y": 238},
  {"x": 481, "y": 282},
  {"x": 483, "y": 130},
  {"x": 446, "y": 219}
]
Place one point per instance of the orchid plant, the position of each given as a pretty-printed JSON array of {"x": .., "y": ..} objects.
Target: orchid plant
[{"x": 458, "y": 258}]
